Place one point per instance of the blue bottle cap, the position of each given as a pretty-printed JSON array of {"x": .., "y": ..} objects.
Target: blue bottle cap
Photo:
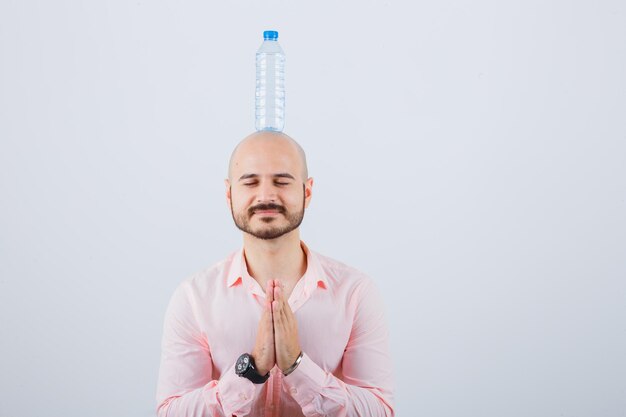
[{"x": 270, "y": 35}]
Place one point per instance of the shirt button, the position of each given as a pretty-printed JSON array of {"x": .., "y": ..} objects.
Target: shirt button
[
  {"x": 242, "y": 396},
  {"x": 293, "y": 391}
]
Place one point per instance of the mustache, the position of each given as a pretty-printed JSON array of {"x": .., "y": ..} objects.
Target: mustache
[{"x": 267, "y": 206}]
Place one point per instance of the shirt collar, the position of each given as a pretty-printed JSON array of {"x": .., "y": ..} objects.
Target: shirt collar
[{"x": 313, "y": 276}]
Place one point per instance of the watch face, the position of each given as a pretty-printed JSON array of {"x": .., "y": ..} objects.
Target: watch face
[{"x": 243, "y": 363}]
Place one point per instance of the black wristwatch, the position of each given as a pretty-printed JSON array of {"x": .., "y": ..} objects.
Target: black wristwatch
[{"x": 246, "y": 368}]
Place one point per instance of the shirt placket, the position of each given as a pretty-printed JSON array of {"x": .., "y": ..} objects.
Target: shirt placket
[{"x": 272, "y": 399}]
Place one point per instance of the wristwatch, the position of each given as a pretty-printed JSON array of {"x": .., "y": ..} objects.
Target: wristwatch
[{"x": 246, "y": 368}]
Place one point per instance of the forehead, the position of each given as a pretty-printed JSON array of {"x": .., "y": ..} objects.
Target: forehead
[{"x": 265, "y": 158}]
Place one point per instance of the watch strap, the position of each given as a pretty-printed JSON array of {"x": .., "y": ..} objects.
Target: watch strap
[{"x": 253, "y": 375}]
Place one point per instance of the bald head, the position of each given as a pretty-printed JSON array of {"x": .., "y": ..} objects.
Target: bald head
[{"x": 259, "y": 144}]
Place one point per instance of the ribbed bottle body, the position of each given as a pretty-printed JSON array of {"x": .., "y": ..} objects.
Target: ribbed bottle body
[{"x": 270, "y": 87}]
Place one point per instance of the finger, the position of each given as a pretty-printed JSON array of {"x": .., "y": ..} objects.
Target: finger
[
  {"x": 285, "y": 307},
  {"x": 277, "y": 304},
  {"x": 268, "y": 309},
  {"x": 277, "y": 289},
  {"x": 269, "y": 295},
  {"x": 276, "y": 318},
  {"x": 288, "y": 312},
  {"x": 278, "y": 293},
  {"x": 286, "y": 316},
  {"x": 269, "y": 290},
  {"x": 266, "y": 317},
  {"x": 280, "y": 321}
]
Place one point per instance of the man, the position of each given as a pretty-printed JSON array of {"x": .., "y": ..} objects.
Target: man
[{"x": 275, "y": 329}]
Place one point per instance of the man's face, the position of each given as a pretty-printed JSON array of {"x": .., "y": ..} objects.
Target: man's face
[{"x": 266, "y": 191}]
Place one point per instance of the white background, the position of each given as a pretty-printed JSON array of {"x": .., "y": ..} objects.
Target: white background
[{"x": 469, "y": 156}]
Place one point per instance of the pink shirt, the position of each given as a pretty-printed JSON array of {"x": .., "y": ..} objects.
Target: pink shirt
[{"x": 213, "y": 317}]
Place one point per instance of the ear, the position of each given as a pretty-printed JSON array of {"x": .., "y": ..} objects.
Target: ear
[
  {"x": 227, "y": 184},
  {"x": 308, "y": 191}
]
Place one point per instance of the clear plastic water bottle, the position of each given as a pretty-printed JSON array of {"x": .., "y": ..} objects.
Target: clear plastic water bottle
[{"x": 270, "y": 84}]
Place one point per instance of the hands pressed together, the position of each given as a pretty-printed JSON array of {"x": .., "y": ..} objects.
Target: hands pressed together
[{"x": 277, "y": 337}]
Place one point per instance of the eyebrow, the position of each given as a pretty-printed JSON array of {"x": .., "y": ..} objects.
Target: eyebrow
[{"x": 279, "y": 175}]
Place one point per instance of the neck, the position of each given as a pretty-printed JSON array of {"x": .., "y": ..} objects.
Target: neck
[{"x": 282, "y": 258}]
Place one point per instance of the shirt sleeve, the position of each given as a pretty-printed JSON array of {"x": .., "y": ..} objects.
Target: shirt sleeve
[
  {"x": 185, "y": 386},
  {"x": 366, "y": 386}
]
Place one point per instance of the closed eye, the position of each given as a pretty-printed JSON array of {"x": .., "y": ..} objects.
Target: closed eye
[{"x": 249, "y": 184}]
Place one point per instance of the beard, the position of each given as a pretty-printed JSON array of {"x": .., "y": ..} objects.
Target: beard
[{"x": 242, "y": 220}]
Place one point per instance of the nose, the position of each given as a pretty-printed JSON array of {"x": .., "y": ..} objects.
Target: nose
[{"x": 266, "y": 192}]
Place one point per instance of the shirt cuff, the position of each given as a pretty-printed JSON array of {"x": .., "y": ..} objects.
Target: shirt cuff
[
  {"x": 306, "y": 381},
  {"x": 236, "y": 394}
]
